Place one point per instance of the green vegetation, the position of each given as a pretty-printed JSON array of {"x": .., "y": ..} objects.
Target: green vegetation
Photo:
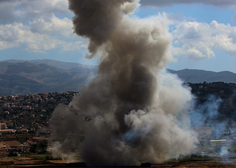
[{"x": 44, "y": 157}]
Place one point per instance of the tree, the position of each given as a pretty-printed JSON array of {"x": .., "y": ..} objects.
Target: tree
[{"x": 33, "y": 148}]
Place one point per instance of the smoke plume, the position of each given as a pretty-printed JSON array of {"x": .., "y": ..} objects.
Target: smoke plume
[{"x": 132, "y": 111}]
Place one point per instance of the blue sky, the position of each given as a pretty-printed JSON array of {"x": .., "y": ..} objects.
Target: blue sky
[{"x": 203, "y": 32}]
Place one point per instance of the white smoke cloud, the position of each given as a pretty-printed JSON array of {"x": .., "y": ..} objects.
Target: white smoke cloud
[{"x": 131, "y": 112}]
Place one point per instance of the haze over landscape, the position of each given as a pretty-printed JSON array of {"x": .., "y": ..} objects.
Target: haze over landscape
[{"x": 39, "y": 76}]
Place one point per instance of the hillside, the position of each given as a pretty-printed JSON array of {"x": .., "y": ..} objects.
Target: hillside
[
  {"x": 62, "y": 65},
  {"x": 26, "y": 77},
  {"x": 199, "y": 76},
  {"x": 35, "y": 76}
]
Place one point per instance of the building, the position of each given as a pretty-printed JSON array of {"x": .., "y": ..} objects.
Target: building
[
  {"x": 13, "y": 144},
  {"x": 24, "y": 130},
  {"x": 7, "y": 131},
  {"x": 3, "y": 126},
  {"x": 23, "y": 148}
]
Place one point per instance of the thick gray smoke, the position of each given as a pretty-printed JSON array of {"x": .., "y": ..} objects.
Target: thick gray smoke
[{"x": 132, "y": 111}]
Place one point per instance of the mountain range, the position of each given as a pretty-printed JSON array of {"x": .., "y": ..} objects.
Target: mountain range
[
  {"x": 37, "y": 76},
  {"x": 23, "y": 77}
]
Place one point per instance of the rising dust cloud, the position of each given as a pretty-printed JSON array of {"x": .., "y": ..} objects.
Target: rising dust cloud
[{"x": 131, "y": 112}]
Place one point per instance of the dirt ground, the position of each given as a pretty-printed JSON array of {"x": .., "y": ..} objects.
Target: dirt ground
[
  {"x": 31, "y": 163},
  {"x": 197, "y": 165}
]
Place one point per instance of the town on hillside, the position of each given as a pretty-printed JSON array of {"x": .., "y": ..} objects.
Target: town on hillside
[{"x": 25, "y": 120}]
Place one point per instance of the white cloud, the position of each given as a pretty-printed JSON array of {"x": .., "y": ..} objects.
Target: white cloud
[
  {"x": 16, "y": 34},
  {"x": 53, "y": 25},
  {"x": 225, "y": 43},
  {"x": 72, "y": 46},
  {"x": 24, "y": 10},
  {"x": 160, "y": 3},
  {"x": 12, "y": 35},
  {"x": 35, "y": 24},
  {"x": 7, "y": 11},
  {"x": 170, "y": 18},
  {"x": 168, "y": 3},
  {"x": 197, "y": 40},
  {"x": 194, "y": 54}
]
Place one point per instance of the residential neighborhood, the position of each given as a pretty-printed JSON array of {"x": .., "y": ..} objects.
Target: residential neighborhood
[{"x": 24, "y": 121}]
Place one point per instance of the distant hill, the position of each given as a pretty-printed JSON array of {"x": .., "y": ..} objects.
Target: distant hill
[
  {"x": 15, "y": 84},
  {"x": 198, "y": 76},
  {"x": 63, "y": 65},
  {"x": 26, "y": 77},
  {"x": 35, "y": 76}
]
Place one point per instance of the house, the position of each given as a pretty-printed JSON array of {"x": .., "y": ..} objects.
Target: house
[
  {"x": 3, "y": 125},
  {"x": 7, "y": 131},
  {"x": 44, "y": 111},
  {"x": 30, "y": 142},
  {"x": 24, "y": 130},
  {"x": 23, "y": 148},
  {"x": 3, "y": 145},
  {"x": 12, "y": 144}
]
